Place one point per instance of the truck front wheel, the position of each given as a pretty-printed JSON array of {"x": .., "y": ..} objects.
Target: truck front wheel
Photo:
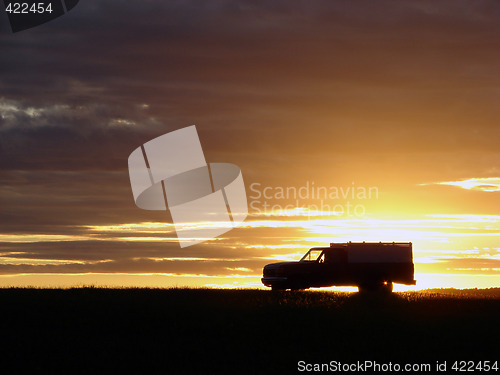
[{"x": 276, "y": 288}]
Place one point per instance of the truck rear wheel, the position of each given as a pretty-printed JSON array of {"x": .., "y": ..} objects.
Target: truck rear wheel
[
  {"x": 374, "y": 286},
  {"x": 387, "y": 287}
]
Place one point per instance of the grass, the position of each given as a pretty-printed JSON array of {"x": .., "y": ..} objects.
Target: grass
[{"x": 89, "y": 330}]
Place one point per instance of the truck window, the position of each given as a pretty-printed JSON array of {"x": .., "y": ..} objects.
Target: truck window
[{"x": 314, "y": 255}]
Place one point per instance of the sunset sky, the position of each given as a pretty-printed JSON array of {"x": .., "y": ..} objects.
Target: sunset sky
[{"x": 402, "y": 98}]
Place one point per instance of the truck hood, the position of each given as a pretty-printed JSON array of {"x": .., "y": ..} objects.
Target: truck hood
[{"x": 279, "y": 264}]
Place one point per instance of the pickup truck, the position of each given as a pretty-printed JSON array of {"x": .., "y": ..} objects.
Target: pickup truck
[{"x": 371, "y": 266}]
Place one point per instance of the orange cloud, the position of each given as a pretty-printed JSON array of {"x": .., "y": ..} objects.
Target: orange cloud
[{"x": 483, "y": 184}]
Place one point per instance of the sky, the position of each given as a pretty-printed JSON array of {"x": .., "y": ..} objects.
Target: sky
[{"x": 350, "y": 121}]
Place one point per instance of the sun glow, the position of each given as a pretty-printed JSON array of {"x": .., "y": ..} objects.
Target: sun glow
[{"x": 449, "y": 250}]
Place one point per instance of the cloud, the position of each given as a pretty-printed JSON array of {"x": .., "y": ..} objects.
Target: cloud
[
  {"x": 273, "y": 78},
  {"x": 489, "y": 184},
  {"x": 67, "y": 137}
]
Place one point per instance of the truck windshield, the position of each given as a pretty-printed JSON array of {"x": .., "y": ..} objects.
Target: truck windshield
[{"x": 313, "y": 255}]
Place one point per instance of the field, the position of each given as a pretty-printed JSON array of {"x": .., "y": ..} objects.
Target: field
[{"x": 179, "y": 331}]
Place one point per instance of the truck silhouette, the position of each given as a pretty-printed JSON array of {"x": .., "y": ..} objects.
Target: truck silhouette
[{"x": 371, "y": 266}]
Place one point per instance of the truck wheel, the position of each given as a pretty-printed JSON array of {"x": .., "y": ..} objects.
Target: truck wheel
[
  {"x": 387, "y": 287},
  {"x": 276, "y": 288},
  {"x": 373, "y": 286}
]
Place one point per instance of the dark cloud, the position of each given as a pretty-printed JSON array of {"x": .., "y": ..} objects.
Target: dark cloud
[
  {"x": 208, "y": 267},
  {"x": 62, "y": 137},
  {"x": 372, "y": 77}
]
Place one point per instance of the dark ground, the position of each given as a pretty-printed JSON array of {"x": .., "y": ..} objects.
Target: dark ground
[{"x": 203, "y": 331}]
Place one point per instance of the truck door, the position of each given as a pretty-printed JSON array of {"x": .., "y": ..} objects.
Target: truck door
[
  {"x": 336, "y": 256},
  {"x": 335, "y": 266}
]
